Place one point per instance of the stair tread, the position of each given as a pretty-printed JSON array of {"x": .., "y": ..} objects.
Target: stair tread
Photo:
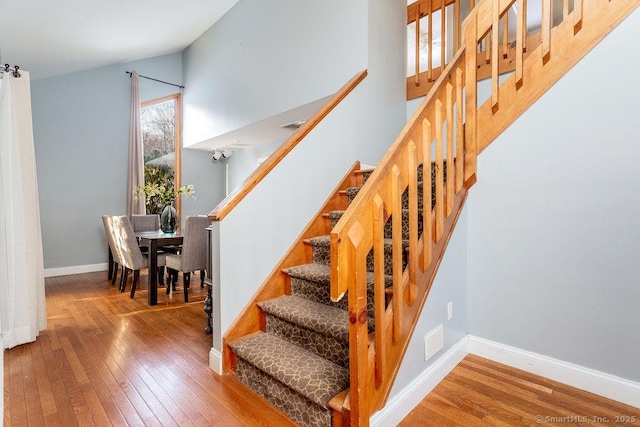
[
  {"x": 322, "y": 318},
  {"x": 314, "y": 377},
  {"x": 321, "y": 273}
]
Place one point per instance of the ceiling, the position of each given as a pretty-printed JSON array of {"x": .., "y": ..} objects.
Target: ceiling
[{"x": 49, "y": 38}]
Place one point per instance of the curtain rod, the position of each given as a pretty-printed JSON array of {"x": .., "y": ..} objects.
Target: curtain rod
[
  {"x": 13, "y": 70},
  {"x": 156, "y": 80}
]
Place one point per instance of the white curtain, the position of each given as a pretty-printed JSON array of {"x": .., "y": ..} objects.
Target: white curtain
[
  {"x": 135, "y": 175},
  {"x": 22, "y": 298}
]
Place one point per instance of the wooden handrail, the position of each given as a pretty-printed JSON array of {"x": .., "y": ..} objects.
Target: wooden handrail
[
  {"x": 443, "y": 137},
  {"x": 225, "y": 206}
]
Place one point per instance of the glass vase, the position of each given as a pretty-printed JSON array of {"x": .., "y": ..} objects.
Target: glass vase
[{"x": 169, "y": 219}]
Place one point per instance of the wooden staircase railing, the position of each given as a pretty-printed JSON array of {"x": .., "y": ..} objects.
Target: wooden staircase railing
[{"x": 449, "y": 127}]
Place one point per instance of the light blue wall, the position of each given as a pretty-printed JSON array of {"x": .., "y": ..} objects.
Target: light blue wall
[
  {"x": 554, "y": 229},
  {"x": 81, "y": 126},
  {"x": 265, "y": 58},
  {"x": 450, "y": 285}
]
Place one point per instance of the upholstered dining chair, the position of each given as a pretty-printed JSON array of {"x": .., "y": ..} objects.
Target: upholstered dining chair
[
  {"x": 107, "y": 221},
  {"x": 150, "y": 222},
  {"x": 193, "y": 256},
  {"x": 131, "y": 257}
]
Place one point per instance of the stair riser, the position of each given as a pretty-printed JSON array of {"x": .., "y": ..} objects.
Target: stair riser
[
  {"x": 296, "y": 406},
  {"x": 388, "y": 226},
  {"x": 333, "y": 349},
  {"x": 352, "y": 192},
  {"x": 319, "y": 292}
]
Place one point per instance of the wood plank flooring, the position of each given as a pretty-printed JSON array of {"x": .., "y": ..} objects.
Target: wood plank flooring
[
  {"x": 106, "y": 359},
  {"x": 480, "y": 392}
]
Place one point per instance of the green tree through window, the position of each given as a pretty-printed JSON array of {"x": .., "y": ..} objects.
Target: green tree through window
[{"x": 161, "y": 142}]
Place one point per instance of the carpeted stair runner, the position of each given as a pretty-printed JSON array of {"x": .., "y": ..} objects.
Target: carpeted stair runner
[
  {"x": 297, "y": 381},
  {"x": 300, "y": 361}
]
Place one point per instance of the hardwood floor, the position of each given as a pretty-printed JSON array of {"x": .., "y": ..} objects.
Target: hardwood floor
[
  {"x": 480, "y": 392},
  {"x": 106, "y": 359}
]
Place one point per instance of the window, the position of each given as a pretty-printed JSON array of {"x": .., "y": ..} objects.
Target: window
[{"x": 162, "y": 146}]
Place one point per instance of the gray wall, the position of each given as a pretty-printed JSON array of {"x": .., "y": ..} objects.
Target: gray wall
[
  {"x": 81, "y": 126},
  {"x": 554, "y": 235}
]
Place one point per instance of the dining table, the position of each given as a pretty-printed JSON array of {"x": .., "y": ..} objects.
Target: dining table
[{"x": 155, "y": 240}]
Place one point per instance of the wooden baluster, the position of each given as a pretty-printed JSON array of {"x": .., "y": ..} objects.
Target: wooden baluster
[
  {"x": 577, "y": 16},
  {"x": 439, "y": 174},
  {"x": 456, "y": 26},
  {"x": 565, "y": 9},
  {"x": 521, "y": 35},
  {"x": 495, "y": 76},
  {"x": 413, "y": 220},
  {"x": 418, "y": 44},
  {"x": 427, "y": 195},
  {"x": 430, "y": 41},
  {"x": 449, "y": 181},
  {"x": 472, "y": 4},
  {"x": 505, "y": 35},
  {"x": 546, "y": 31},
  {"x": 471, "y": 103},
  {"x": 524, "y": 19},
  {"x": 443, "y": 35},
  {"x": 487, "y": 50},
  {"x": 396, "y": 250},
  {"x": 379, "y": 285},
  {"x": 459, "y": 132},
  {"x": 358, "y": 326}
]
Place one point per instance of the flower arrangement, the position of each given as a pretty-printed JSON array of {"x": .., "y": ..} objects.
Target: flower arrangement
[{"x": 157, "y": 196}]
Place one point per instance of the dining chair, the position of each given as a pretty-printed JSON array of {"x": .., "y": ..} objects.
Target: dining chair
[
  {"x": 193, "y": 256},
  {"x": 131, "y": 257},
  {"x": 150, "y": 222},
  {"x": 107, "y": 222}
]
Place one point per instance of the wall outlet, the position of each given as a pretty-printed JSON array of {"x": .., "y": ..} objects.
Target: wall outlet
[
  {"x": 433, "y": 342},
  {"x": 450, "y": 310}
]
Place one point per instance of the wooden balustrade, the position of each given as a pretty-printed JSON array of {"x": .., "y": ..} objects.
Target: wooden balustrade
[
  {"x": 448, "y": 131},
  {"x": 425, "y": 76},
  {"x": 437, "y": 129},
  {"x": 501, "y": 34}
]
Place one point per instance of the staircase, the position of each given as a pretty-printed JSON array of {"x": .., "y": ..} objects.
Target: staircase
[
  {"x": 324, "y": 336},
  {"x": 300, "y": 360}
]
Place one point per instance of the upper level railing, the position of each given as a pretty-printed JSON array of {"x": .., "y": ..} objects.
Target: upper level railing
[
  {"x": 445, "y": 135},
  {"x": 225, "y": 206},
  {"x": 436, "y": 38}
]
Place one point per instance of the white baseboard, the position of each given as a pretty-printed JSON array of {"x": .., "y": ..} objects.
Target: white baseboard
[
  {"x": 403, "y": 403},
  {"x": 590, "y": 380},
  {"x": 215, "y": 361},
  {"x": 75, "y": 269}
]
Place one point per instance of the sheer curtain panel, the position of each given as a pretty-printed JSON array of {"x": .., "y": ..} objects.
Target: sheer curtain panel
[
  {"x": 135, "y": 176},
  {"x": 22, "y": 303}
]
